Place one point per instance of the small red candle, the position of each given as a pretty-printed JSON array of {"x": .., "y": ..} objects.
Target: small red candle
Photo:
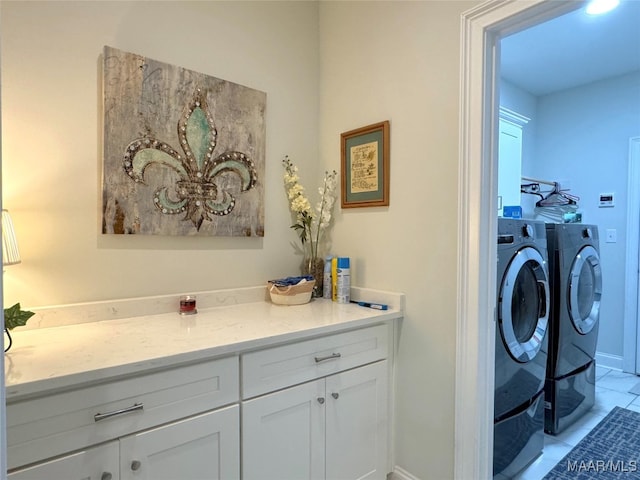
[{"x": 188, "y": 305}]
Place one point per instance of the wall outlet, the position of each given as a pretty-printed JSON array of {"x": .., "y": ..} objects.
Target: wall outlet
[{"x": 612, "y": 235}]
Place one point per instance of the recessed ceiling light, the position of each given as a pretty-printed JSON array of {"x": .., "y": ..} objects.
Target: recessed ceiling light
[{"x": 598, "y": 7}]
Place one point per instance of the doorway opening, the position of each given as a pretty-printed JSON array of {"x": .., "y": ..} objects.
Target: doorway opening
[
  {"x": 631, "y": 347},
  {"x": 482, "y": 28}
]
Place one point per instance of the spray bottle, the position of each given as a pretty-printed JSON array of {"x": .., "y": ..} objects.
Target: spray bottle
[{"x": 344, "y": 280}]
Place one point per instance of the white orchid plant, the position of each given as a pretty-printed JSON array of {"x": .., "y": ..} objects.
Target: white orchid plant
[{"x": 310, "y": 223}]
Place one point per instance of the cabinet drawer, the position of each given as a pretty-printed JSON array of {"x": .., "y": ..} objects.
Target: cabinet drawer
[
  {"x": 93, "y": 463},
  {"x": 279, "y": 367},
  {"x": 43, "y": 427}
]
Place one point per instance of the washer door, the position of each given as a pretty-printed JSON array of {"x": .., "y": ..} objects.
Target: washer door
[
  {"x": 585, "y": 290},
  {"x": 523, "y": 310}
]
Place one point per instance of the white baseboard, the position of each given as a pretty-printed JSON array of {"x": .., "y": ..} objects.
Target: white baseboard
[
  {"x": 401, "y": 474},
  {"x": 609, "y": 361}
]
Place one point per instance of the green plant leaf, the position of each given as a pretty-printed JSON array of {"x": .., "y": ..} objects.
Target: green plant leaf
[{"x": 16, "y": 317}]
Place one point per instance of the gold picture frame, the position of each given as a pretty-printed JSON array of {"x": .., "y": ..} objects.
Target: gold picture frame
[{"x": 365, "y": 166}]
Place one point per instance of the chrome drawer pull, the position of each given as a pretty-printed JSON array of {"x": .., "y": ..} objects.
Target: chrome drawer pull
[
  {"x": 103, "y": 416},
  {"x": 328, "y": 357}
]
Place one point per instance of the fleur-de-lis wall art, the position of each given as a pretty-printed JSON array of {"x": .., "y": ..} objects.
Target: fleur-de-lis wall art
[
  {"x": 198, "y": 197},
  {"x": 169, "y": 176}
]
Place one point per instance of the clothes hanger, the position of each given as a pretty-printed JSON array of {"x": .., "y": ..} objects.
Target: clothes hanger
[{"x": 556, "y": 197}]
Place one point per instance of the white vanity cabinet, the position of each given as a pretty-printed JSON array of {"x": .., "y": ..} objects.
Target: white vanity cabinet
[
  {"x": 181, "y": 422},
  {"x": 251, "y": 390},
  {"x": 318, "y": 409}
]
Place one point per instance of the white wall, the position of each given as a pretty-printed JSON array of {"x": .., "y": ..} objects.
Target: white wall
[
  {"x": 399, "y": 61},
  {"x": 52, "y": 154},
  {"x": 583, "y": 136},
  {"x": 582, "y": 140}
]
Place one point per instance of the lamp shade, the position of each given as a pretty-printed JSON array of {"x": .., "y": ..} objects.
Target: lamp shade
[{"x": 10, "y": 252}]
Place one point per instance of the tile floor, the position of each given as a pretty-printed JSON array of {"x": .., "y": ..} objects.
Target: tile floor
[{"x": 612, "y": 389}]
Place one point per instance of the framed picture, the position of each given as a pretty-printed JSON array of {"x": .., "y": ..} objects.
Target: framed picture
[
  {"x": 365, "y": 166},
  {"x": 184, "y": 152}
]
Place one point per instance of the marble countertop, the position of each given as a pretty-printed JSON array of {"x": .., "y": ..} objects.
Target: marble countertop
[{"x": 44, "y": 360}]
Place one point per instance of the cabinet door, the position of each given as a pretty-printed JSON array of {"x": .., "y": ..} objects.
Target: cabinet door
[
  {"x": 206, "y": 446},
  {"x": 356, "y": 423},
  {"x": 509, "y": 164},
  {"x": 98, "y": 463},
  {"x": 283, "y": 434}
]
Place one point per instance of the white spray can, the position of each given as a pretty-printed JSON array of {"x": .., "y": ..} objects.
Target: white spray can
[{"x": 344, "y": 280}]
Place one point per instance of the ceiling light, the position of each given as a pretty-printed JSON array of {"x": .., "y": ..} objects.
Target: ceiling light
[{"x": 598, "y": 7}]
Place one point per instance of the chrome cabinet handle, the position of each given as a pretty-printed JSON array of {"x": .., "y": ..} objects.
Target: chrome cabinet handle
[
  {"x": 335, "y": 395},
  {"x": 328, "y": 357},
  {"x": 106, "y": 476},
  {"x": 135, "y": 465},
  {"x": 320, "y": 400},
  {"x": 133, "y": 408}
]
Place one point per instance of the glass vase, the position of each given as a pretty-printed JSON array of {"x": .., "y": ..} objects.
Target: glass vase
[{"x": 314, "y": 266}]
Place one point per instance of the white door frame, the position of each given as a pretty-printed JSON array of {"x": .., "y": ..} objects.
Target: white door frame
[
  {"x": 481, "y": 29},
  {"x": 630, "y": 357}
]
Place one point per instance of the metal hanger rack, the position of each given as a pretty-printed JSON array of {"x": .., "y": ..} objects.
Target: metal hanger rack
[{"x": 555, "y": 198}]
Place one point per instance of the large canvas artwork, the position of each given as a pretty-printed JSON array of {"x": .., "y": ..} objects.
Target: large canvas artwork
[{"x": 184, "y": 152}]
